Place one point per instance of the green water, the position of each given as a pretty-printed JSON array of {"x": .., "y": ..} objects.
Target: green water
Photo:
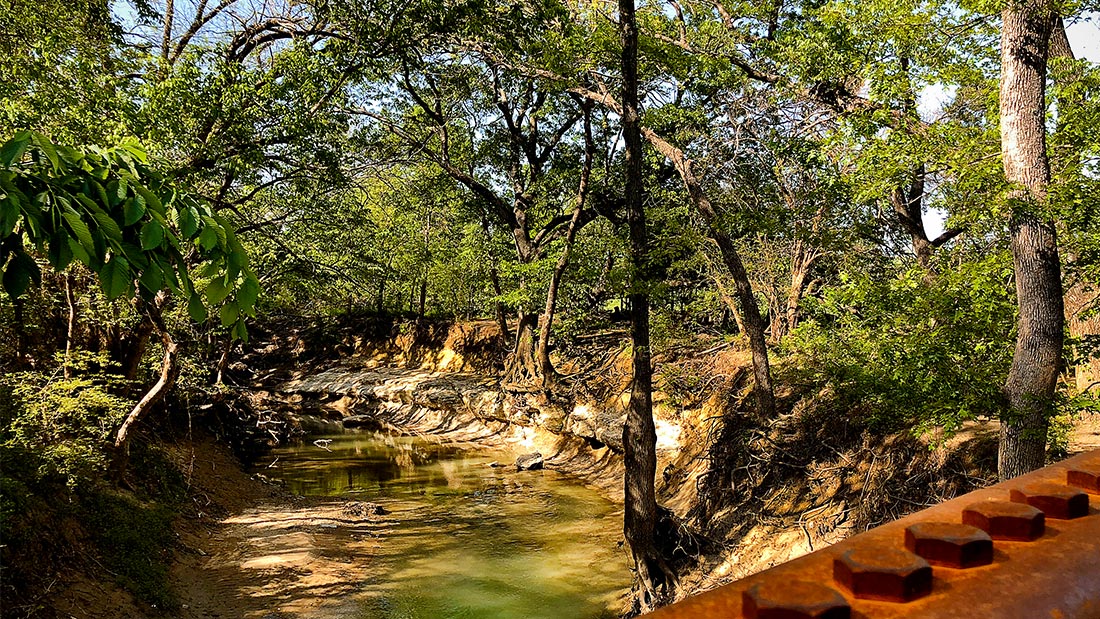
[{"x": 463, "y": 539}]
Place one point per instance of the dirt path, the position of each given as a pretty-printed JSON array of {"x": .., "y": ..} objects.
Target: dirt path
[{"x": 252, "y": 551}]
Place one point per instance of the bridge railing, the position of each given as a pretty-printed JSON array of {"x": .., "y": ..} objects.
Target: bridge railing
[{"x": 1028, "y": 548}]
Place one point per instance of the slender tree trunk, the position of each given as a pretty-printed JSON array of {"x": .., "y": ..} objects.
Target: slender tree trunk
[
  {"x": 169, "y": 371},
  {"x": 639, "y": 432},
  {"x": 908, "y": 206},
  {"x": 502, "y": 321},
  {"x": 1037, "y": 359},
  {"x": 70, "y": 330},
  {"x": 129, "y": 348},
  {"x": 730, "y": 302},
  {"x": 223, "y": 360},
  {"x": 754, "y": 325},
  {"x": 166, "y": 40},
  {"x": 802, "y": 259},
  {"x": 423, "y": 297},
  {"x": 21, "y": 356},
  {"x": 543, "y": 352}
]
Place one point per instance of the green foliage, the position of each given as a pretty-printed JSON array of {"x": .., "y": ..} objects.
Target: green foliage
[
  {"x": 908, "y": 351},
  {"x": 107, "y": 209},
  {"x": 135, "y": 540},
  {"x": 65, "y": 422}
]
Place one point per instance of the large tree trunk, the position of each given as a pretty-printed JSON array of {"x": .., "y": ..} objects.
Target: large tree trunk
[
  {"x": 802, "y": 260},
  {"x": 521, "y": 368},
  {"x": 639, "y": 432},
  {"x": 1037, "y": 359}
]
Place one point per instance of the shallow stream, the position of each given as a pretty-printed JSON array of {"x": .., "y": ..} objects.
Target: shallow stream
[{"x": 463, "y": 539}]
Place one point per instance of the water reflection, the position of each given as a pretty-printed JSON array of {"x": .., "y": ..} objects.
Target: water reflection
[{"x": 464, "y": 540}]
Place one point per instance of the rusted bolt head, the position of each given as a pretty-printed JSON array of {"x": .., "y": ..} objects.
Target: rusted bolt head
[
  {"x": 1086, "y": 477},
  {"x": 1006, "y": 521},
  {"x": 794, "y": 600},
  {"x": 950, "y": 544},
  {"x": 1055, "y": 500},
  {"x": 882, "y": 572}
]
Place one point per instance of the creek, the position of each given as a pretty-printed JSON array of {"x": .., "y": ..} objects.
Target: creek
[{"x": 461, "y": 539}]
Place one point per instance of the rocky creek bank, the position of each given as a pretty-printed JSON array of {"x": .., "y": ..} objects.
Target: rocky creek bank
[{"x": 756, "y": 492}]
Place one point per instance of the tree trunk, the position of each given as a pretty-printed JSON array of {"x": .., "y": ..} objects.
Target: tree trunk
[
  {"x": 70, "y": 329},
  {"x": 1037, "y": 359},
  {"x": 223, "y": 360},
  {"x": 908, "y": 206},
  {"x": 802, "y": 260},
  {"x": 502, "y": 321},
  {"x": 423, "y": 298},
  {"x": 521, "y": 368},
  {"x": 543, "y": 352},
  {"x": 169, "y": 371},
  {"x": 129, "y": 348},
  {"x": 639, "y": 432},
  {"x": 752, "y": 322},
  {"x": 166, "y": 40}
]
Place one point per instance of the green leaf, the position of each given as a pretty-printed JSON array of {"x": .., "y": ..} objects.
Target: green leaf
[
  {"x": 188, "y": 221},
  {"x": 21, "y": 270},
  {"x": 196, "y": 309},
  {"x": 133, "y": 209},
  {"x": 108, "y": 226},
  {"x": 248, "y": 293},
  {"x": 9, "y": 216},
  {"x": 151, "y": 200},
  {"x": 152, "y": 278},
  {"x": 152, "y": 235},
  {"x": 60, "y": 254},
  {"x": 47, "y": 149},
  {"x": 216, "y": 291},
  {"x": 240, "y": 331},
  {"x": 229, "y": 313},
  {"x": 208, "y": 239},
  {"x": 79, "y": 251},
  {"x": 115, "y": 277},
  {"x": 14, "y": 148}
]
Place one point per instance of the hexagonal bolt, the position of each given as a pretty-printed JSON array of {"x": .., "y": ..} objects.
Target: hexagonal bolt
[
  {"x": 796, "y": 599},
  {"x": 1003, "y": 520},
  {"x": 1085, "y": 477},
  {"x": 1055, "y": 500},
  {"x": 946, "y": 544},
  {"x": 883, "y": 572}
]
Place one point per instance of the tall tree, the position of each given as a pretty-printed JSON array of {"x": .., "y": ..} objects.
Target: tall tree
[
  {"x": 639, "y": 432},
  {"x": 1037, "y": 359}
]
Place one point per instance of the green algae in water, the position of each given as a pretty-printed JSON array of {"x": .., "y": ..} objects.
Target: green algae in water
[{"x": 465, "y": 540}]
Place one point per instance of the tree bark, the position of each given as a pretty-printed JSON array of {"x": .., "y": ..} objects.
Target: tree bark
[
  {"x": 521, "y": 368},
  {"x": 755, "y": 326},
  {"x": 169, "y": 371},
  {"x": 166, "y": 41},
  {"x": 802, "y": 260},
  {"x": 543, "y": 352},
  {"x": 639, "y": 432},
  {"x": 70, "y": 328},
  {"x": 1037, "y": 359}
]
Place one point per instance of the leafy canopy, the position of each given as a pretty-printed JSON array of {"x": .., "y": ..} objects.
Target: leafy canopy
[{"x": 106, "y": 208}]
